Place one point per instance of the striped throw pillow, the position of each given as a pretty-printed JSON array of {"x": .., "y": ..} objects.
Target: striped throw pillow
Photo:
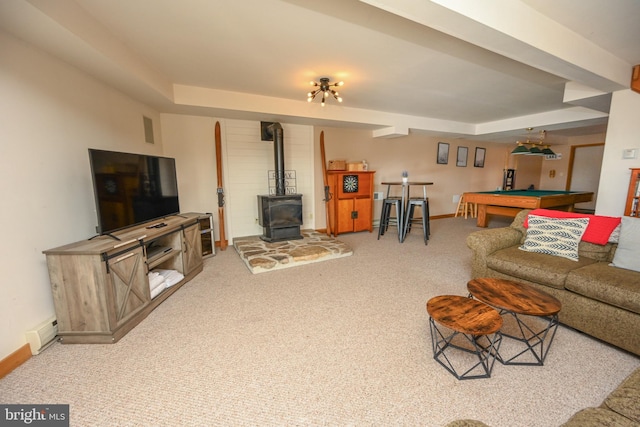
[{"x": 555, "y": 236}]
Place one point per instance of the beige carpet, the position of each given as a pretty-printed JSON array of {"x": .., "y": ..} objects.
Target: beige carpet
[
  {"x": 338, "y": 343},
  {"x": 260, "y": 256}
]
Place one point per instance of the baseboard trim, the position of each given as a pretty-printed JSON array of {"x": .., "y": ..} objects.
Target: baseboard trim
[
  {"x": 442, "y": 216},
  {"x": 375, "y": 223},
  {"x": 14, "y": 360}
]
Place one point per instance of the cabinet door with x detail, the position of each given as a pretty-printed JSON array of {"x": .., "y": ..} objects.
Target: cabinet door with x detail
[{"x": 129, "y": 286}]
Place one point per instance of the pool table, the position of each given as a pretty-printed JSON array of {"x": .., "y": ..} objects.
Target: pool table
[{"x": 510, "y": 202}]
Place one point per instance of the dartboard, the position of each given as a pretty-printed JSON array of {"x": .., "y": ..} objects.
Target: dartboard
[{"x": 350, "y": 184}]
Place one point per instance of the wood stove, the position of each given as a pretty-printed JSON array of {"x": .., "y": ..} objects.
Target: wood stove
[{"x": 280, "y": 215}]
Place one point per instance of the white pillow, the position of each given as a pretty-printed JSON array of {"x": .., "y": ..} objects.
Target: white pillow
[
  {"x": 615, "y": 235},
  {"x": 554, "y": 236},
  {"x": 628, "y": 252}
]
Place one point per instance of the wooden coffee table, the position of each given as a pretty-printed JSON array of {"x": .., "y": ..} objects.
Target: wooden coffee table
[
  {"x": 465, "y": 324},
  {"x": 534, "y": 312}
]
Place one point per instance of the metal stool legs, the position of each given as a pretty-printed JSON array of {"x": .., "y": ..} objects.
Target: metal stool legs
[
  {"x": 408, "y": 220},
  {"x": 386, "y": 219}
]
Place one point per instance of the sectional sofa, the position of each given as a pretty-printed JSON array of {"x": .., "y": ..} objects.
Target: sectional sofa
[
  {"x": 597, "y": 298},
  {"x": 621, "y": 408}
]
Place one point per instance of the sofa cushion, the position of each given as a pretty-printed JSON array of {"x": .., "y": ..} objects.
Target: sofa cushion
[
  {"x": 614, "y": 286},
  {"x": 539, "y": 268},
  {"x": 624, "y": 399},
  {"x": 598, "y": 417},
  {"x": 554, "y": 236},
  {"x": 628, "y": 252},
  {"x": 597, "y": 252}
]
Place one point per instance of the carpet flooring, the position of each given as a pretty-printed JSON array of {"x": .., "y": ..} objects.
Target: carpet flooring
[{"x": 338, "y": 343}]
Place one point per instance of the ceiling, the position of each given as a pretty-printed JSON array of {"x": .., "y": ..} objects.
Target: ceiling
[{"x": 484, "y": 70}]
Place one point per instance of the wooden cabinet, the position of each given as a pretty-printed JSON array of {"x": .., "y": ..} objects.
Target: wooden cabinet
[
  {"x": 632, "y": 207},
  {"x": 192, "y": 249},
  {"x": 128, "y": 288},
  {"x": 351, "y": 204},
  {"x": 101, "y": 286}
]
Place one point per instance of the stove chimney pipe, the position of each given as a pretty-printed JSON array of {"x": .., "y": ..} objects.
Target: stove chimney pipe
[{"x": 278, "y": 156}]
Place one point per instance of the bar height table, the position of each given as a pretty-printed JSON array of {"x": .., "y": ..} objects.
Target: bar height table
[{"x": 406, "y": 188}]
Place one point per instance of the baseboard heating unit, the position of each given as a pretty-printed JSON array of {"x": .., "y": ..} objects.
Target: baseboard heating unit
[{"x": 42, "y": 336}]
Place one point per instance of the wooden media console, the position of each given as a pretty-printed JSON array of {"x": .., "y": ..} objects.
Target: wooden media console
[{"x": 101, "y": 286}]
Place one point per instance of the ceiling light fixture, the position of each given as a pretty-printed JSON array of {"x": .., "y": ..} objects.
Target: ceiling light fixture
[
  {"x": 546, "y": 151},
  {"x": 326, "y": 88},
  {"x": 533, "y": 148}
]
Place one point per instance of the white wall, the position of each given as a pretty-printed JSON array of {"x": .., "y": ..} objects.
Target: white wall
[
  {"x": 246, "y": 160},
  {"x": 190, "y": 140},
  {"x": 416, "y": 153},
  {"x": 623, "y": 132},
  {"x": 51, "y": 114},
  {"x": 246, "y": 165}
]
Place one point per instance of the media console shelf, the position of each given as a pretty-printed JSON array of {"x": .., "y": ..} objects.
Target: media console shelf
[{"x": 101, "y": 286}]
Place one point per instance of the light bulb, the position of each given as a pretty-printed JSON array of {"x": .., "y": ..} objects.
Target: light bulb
[{"x": 339, "y": 99}]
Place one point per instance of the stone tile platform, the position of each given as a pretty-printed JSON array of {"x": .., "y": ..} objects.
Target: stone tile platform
[{"x": 261, "y": 256}]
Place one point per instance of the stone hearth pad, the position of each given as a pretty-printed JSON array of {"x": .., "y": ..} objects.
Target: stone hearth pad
[{"x": 260, "y": 256}]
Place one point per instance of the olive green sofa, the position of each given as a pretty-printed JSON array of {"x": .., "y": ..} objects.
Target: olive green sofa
[
  {"x": 621, "y": 409},
  {"x": 597, "y": 299}
]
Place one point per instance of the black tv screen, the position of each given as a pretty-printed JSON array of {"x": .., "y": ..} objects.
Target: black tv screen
[{"x": 132, "y": 189}]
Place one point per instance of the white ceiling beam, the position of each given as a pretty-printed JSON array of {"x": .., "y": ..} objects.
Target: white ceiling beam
[
  {"x": 69, "y": 32},
  {"x": 240, "y": 101},
  {"x": 545, "y": 119},
  {"x": 63, "y": 28},
  {"x": 526, "y": 36},
  {"x": 585, "y": 96},
  {"x": 391, "y": 132}
]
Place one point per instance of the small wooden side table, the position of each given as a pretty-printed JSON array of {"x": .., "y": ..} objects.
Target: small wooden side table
[
  {"x": 465, "y": 324},
  {"x": 533, "y": 316}
]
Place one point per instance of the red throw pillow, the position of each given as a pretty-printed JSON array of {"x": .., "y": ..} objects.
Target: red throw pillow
[{"x": 598, "y": 231}]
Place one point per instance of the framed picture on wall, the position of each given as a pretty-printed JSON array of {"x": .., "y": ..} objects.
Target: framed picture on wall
[
  {"x": 443, "y": 153},
  {"x": 461, "y": 160},
  {"x": 479, "y": 160}
]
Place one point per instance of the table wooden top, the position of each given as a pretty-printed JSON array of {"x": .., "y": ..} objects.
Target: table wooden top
[
  {"x": 516, "y": 297},
  {"x": 464, "y": 314}
]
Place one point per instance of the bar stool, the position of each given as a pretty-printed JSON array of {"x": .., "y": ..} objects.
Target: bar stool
[
  {"x": 423, "y": 203},
  {"x": 386, "y": 219},
  {"x": 465, "y": 208}
]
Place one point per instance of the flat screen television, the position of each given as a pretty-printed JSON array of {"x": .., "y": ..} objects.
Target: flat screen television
[{"x": 132, "y": 189}]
